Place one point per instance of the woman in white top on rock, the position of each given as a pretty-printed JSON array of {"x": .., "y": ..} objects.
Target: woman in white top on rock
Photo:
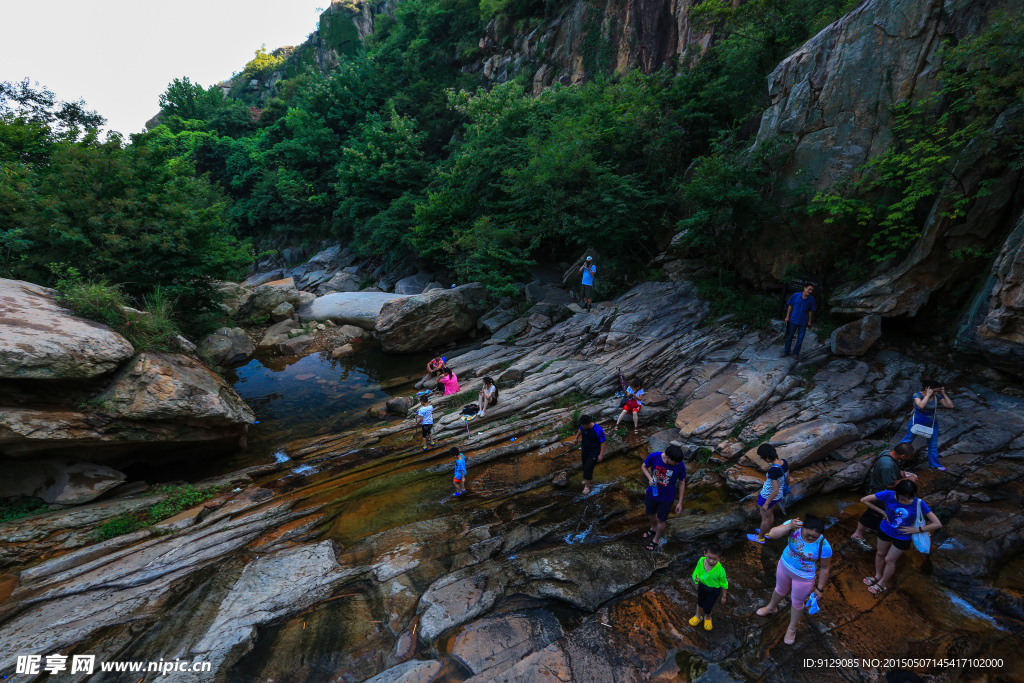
[{"x": 488, "y": 395}]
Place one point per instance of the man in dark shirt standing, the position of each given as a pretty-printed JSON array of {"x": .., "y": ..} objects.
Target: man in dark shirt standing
[
  {"x": 885, "y": 474},
  {"x": 591, "y": 438},
  {"x": 799, "y": 316}
]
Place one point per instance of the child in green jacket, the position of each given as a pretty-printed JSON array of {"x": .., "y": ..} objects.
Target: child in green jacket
[{"x": 709, "y": 575}]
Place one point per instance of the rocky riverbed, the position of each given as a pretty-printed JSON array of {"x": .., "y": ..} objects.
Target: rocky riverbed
[{"x": 352, "y": 561}]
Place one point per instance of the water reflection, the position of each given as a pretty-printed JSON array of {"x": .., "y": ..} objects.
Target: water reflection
[{"x": 295, "y": 398}]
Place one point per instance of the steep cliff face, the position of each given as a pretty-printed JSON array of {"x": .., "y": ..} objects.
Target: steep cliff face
[
  {"x": 994, "y": 324},
  {"x": 587, "y": 37},
  {"x": 832, "y": 101}
]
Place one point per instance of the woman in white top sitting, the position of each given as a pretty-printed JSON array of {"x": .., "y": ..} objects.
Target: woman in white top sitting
[{"x": 488, "y": 395}]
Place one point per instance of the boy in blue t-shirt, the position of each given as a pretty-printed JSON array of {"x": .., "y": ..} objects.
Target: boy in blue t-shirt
[
  {"x": 799, "y": 316},
  {"x": 665, "y": 472},
  {"x": 460, "y": 470}
]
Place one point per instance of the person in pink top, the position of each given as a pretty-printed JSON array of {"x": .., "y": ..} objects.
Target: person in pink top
[{"x": 450, "y": 382}]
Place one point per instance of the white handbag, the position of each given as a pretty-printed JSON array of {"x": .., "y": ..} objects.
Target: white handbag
[{"x": 922, "y": 540}]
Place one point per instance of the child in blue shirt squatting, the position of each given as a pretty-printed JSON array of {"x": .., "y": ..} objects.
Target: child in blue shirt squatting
[
  {"x": 460, "y": 471},
  {"x": 799, "y": 316},
  {"x": 665, "y": 472}
]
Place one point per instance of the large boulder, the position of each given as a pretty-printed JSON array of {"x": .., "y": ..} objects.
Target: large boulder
[
  {"x": 156, "y": 398},
  {"x": 414, "y": 284},
  {"x": 351, "y": 308},
  {"x": 313, "y": 278},
  {"x": 331, "y": 258},
  {"x": 39, "y": 339},
  {"x": 277, "y": 333},
  {"x": 281, "y": 312},
  {"x": 227, "y": 346},
  {"x": 294, "y": 346},
  {"x": 233, "y": 294},
  {"x": 58, "y": 482},
  {"x": 160, "y": 386},
  {"x": 436, "y": 317},
  {"x": 854, "y": 339},
  {"x": 263, "y": 278},
  {"x": 266, "y": 298},
  {"x": 340, "y": 282},
  {"x": 495, "y": 320}
]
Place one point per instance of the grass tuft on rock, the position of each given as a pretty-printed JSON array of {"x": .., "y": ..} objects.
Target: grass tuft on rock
[
  {"x": 16, "y": 508},
  {"x": 148, "y": 328},
  {"x": 178, "y": 499}
]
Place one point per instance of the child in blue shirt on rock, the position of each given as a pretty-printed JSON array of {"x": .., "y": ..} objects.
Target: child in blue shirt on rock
[{"x": 460, "y": 471}]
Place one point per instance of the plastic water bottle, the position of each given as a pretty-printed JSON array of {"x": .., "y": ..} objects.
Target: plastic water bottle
[{"x": 812, "y": 603}]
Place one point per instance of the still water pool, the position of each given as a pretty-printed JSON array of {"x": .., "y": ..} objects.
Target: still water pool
[
  {"x": 295, "y": 398},
  {"x": 318, "y": 394}
]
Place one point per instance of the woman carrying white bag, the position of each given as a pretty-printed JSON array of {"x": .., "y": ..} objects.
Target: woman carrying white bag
[
  {"x": 907, "y": 519},
  {"x": 924, "y": 420}
]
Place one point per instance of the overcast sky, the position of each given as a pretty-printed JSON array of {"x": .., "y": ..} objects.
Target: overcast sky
[{"x": 119, "y": 55}]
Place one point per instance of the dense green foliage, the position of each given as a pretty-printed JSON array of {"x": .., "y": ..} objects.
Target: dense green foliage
[
  {"x": 401, "y": 151},
  {"x": 136, "y": 214}
]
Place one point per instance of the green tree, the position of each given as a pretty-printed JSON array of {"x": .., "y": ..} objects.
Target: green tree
[{"x": 187, "y": 105}]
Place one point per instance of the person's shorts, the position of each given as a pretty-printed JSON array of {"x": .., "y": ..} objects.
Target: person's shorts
[
  {"x": 760, "y": 502},
  {"x": 457, "y": 480},
  {"x": 661, "y": 508},
  {"x": 899, "y": 543},
  {"x": 588, "y": 466},
  {"x": 587, "y": 289},
  {"x": 427, "y": 429},
  {"x": 631, "y": 406},
  {"x": 872, "y": 520}
]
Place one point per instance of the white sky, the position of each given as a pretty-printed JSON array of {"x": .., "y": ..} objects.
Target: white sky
[{"x": 119, "y": 55}]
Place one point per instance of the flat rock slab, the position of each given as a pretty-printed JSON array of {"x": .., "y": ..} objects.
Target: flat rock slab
[
  {"x": 39, "y": 339},
  {"x": 732, "y": 395},
  {"x": 587, "y": 575},
  {"x": 496, "y": 642},
  {"x": 459, "y": 597},
  {"x": 413, "y": 671},
  {"x": 348, "y": 308}
]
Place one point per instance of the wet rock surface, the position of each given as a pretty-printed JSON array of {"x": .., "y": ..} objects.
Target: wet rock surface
[{"x": 353, "y": 560}]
